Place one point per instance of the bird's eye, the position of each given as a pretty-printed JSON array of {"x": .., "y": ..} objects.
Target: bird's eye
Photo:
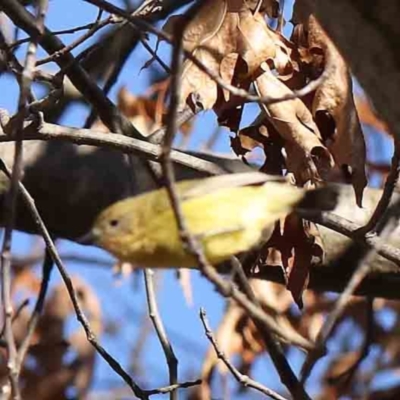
[{"x": 114, "y": 222}]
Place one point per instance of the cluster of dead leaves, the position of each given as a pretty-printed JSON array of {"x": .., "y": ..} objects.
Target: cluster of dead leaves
[
  {"x": 55, "y": 363},
  {"x": 234, "y": 42},
  {"x": 312, "y": 139}
]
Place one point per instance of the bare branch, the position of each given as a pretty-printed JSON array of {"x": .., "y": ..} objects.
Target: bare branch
[
  {"x": 365, "y": 267},
  {"x": 46, "y": 273},
  {"x": 390, "y": 186},
  {"x": 25, "y": 82},
  {"x": 51, "y": 248},
  {"x": 118, "y": 142},
  {"x": 242, "y": 379},
  {"x": 155, "y": 317}
]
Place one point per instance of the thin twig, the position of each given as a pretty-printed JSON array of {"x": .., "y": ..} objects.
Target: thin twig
[
  {"x": 248, "y": 97},
  {"x": 25, "y": 82},
  {"x": 193, "y": 246},
  {"x": 95, "y": 28},
  {"x": 172, "y": 388},
  {"x": 351, "y": 229},
  {"x": 107, "y": 111},
  {"x": 365, "y": 267},
  {"x": 155, "y": 317},
  {"x": 244, "y": 380},
  {"x": 17, "y": 313},
  {"x": 46, "y": 273},
  {"x": 51, "y": 248},
  {"x": 346, "y": 376},
  {"x": 145, "y": 329},
  {"x": 189, "y": 241},
  {"x": 276, "y": 353},
  {"x": 56, "y": 33},
  {"x": 116, "y": 141},
  {"x": 186, "y": 115},
  {"x": 34, "y": 258},
  {"x": 390, "y": 185},
  {"x": 143, "y": 10},
  {"x": 155, "y": 56}
]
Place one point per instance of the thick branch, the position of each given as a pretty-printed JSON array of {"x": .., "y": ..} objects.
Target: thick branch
[{"x": 71, "y": 184}]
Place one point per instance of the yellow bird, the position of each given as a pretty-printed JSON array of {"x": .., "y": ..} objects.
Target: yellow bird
[{"x": 229, "y": 214}]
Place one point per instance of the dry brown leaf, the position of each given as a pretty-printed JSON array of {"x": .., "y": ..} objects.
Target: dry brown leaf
[
  {"x": 255, "y": 41},
  {"x": 223, "y": 27},
  {"x": 52, "y": 387},
  {"x": 272, "y": 296},
  {"x": 306, "y": 156},
  {"x": 341, "y": 364},
  {"x": 313, "y": 318},
  {"x": 294, "y": 247},
  {"x": 25, "y": 280},
  {"x": 249, "y": 138},
  {"x": 49, "y": 346},
  {"x": 227, "y": 71},
  {"x": 264, "y": 135},
  {"x": 334, "y": 99},
  {"x": 85, "y": 352},
  {"x": 242, "y": 144},
  {"x": 144, "y": 113}
]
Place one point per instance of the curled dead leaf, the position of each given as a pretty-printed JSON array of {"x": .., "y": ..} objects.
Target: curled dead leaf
[
  {"x": 334, "y": 100},
  {"x": 294, "y": 246},
  {"x": 223, "y": 27},
  {"x": 306, "y": 156}
]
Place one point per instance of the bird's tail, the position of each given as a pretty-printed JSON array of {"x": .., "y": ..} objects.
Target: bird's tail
[{"x": 320, "y": 199}]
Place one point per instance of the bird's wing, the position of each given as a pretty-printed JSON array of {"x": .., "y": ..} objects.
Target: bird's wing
[{"x": 209, "y": 185}]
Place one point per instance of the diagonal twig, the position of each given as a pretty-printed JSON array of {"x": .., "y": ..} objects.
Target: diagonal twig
[
  {"x": 155, "y": 317},
  {"x": 241, "y": 378},
  {"x": 47, "y": 268},
  {"x": 384, "y": 201},
  {"x": 190, "y": 242},
  {"x": 25, "y": 82},
  {"x": 51, "y": 248},
  {"x": 346, "y": 376},
  {"x": 364, "y": 268}
]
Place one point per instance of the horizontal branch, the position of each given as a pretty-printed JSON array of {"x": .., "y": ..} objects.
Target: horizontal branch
[
  {"x": 351, "y": 230},
  {"x": 83, "y": 180},
  {"x": 114, "y": 141},
  {"x": 328, "y": 279}
]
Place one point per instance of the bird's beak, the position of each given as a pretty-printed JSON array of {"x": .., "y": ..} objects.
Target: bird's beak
[{"x": 88, "y": 238}]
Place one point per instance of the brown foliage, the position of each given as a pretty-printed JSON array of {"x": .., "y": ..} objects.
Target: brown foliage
[
  {"x": 311, "y": 139},
  {"x": 46, "y": 374}
]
